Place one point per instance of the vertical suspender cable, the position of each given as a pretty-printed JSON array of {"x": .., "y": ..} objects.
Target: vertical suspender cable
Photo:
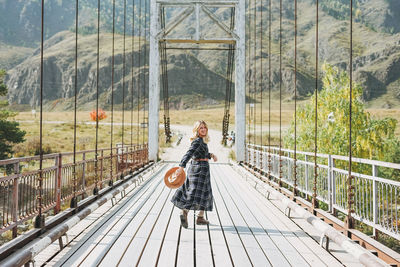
[
  {"x": 280, "y": 93},
  {"x": 140, "y": 69},
  {"x": 228, "y": 91},
  {"x": 144, "y": 72},
  {"x": 39, "y": 220},
  {"x": 350, "y": 186},
  {"x": 255, "y": 81},
  {"x": 231, "y": 56},
  {"x": 96, "y": 176},
  {"x": 73, "y": 200},
  {"x": 164, "y": 76},
  {"x": 262, "y": 84},
  {"x": 295, "y": 101},
  {"x": 314, "y": 199},
  {"x": 248, "y": 80},
  {"x": 251, "y": 110},
  {"x": 269, "y": 86},
  {"x": 123, "y": 95},
  {"x": 112, "y": 97},
  {"x": 132, "y": 65}
]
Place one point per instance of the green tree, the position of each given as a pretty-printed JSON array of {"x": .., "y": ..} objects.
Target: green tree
[
  {"x": 371, "y": 138},
  {"x": 10, "y": 133}
]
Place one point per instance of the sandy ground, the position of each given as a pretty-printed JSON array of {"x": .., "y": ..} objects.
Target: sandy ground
[{"x": 176, "y": 152}]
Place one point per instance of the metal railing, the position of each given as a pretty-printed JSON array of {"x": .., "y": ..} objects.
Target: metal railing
[
  {"x": 376, "y": 200},
  {"x": 19, "y": 182}
]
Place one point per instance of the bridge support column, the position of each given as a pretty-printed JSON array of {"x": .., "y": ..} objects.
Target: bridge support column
[
  {"x": 154, "y": 82},
  {"x": 240, "y": 82},
  {"x": 161, "y": 33}
]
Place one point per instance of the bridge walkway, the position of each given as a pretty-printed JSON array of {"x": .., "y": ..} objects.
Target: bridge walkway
[{"x": 143, "y": 229}]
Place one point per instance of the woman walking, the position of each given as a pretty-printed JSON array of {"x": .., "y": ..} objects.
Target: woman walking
[{"x": 195, "y": 193}]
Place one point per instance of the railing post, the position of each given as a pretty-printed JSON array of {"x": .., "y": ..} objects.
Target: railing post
[
  {"x": 58, "y": 183},
  {"x": 83, "y": 172},
  {"x": 306, "y": 174},
  {"x": 117, "y": 160},
  {"x": 289, "y": 173},
  {"x": 375, "y": 200},
  {"x": 330, "y": 201},
  {"x": 333, "y": 177},
  {"x": 101, "y": 168},
  {"x": 270, "y": 163},
  {"x": 15, "y": 199},
  {"x": 264, "y": 160}
]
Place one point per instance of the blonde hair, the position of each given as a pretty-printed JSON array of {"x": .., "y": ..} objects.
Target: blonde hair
[{"x": 196, "y": 128}]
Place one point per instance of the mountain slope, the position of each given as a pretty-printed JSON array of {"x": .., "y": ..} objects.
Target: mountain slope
[
  {"x": 187, "y": 74},
  {"x": 375, "y": 47}
]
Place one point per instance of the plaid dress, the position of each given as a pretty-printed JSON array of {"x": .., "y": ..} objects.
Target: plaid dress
[{"x": 195, "y": 193}]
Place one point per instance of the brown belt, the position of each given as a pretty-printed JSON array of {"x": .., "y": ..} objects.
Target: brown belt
[{"x": 201, "y": 159}]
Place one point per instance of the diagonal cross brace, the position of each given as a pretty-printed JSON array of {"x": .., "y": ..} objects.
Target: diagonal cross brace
[
  {"x": 178, "y": 19},
  {"x": 219, "y": 22}
]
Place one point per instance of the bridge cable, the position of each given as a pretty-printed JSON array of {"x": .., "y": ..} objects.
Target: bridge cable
[
  {"x": 123, "y": 96},
  {"x": 139, "y": 71},
  {"x": 229, "y": 83},
  {"x": 144, "y": 73},
  {"x": 96, "y": 176},
  {"x": 164, "y": 78},
  {"x": 314, "y": 197},
  {"x": 280, "y": 93},
  {"x": 269, "y": 87},
  {"x": 112, "y": 97},
  {"x": 132, "y": 66},
  {"x": 349, "y": 219},
  {"x": 39, "y": 220},
  {"x": 262, "y": 83},
  {"x": 255, "y": 82},
  {"x": 248, "y": 24},
  {"x": 250, "y": 74},
  {"x": 295, "y": 101},
  {"x": 74, "y": 202}
]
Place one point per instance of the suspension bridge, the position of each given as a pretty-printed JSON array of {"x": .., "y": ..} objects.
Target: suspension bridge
[{"x": 273, "y": 206}]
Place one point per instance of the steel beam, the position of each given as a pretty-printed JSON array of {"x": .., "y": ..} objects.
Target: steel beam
[
  {"x": 240, "y": 85},
  {"x": 219, "y": 22},
  {"x": 172, "y": 25},
  {"x": 154, "y": 82},
  {"x": 192, "y": 2},
  {"x": 204, "y": 41},
  {"x": 237, "y": 37}
]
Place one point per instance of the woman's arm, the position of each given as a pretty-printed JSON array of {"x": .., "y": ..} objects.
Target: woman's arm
[{"x": 194, "y": 146}]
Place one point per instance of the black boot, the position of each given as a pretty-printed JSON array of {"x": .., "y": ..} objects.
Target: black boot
[{"x": 184, "y": 220}]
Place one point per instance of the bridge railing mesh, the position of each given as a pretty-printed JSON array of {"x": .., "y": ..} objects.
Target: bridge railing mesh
[
  {"x": 19, "y": 180},
  {"x": 376, "y": 199}
]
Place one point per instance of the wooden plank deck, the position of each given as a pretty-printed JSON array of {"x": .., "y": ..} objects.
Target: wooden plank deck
[{"x": 143, "y": 229}]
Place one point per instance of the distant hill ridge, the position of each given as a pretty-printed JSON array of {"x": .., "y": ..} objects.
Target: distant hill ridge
[{"x": 199, "y": 73}]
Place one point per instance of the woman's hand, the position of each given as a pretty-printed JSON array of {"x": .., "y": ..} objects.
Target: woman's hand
[
  {"x": 179, "y": 170},
  {"x": 214, "y": 157}
]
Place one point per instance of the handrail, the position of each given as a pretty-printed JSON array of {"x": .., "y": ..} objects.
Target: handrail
[
  {"x": 376, "y": 199},
  {"x": 18, "y": 190},
  {"x": 345, "y": 158}
]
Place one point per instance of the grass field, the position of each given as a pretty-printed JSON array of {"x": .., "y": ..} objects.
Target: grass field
[{"x": 59, "y": 135}]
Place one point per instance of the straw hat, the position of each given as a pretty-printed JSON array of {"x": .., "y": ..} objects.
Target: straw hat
[{"x": 172, "y": 180}]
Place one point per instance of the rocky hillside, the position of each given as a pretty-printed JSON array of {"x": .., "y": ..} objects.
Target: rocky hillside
[
  {"x": 200, "y": 73},
  {"x": 376, "y": 52},
  {"x": 59, "y": 74}
]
